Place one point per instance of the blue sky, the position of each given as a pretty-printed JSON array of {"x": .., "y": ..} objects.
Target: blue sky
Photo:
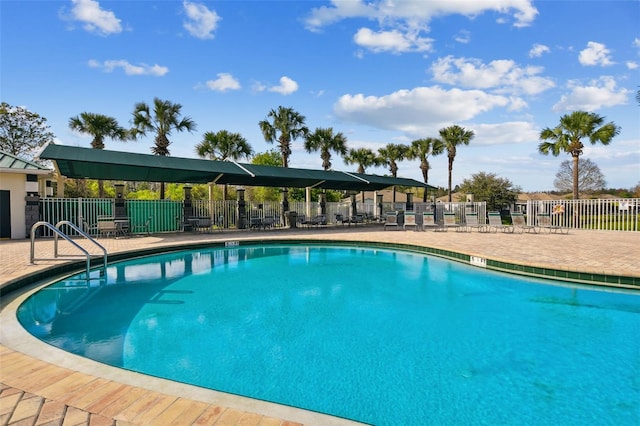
[{"x": 378, "y": 71}]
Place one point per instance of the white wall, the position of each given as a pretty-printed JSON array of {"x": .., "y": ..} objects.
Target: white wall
[{"x": 15, "y": 184}]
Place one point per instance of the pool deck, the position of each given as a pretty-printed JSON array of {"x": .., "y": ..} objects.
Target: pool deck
[{"x": 42, "y": 385}]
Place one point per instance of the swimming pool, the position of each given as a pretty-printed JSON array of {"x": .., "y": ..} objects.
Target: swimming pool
[{"x": 378, "y": 336}]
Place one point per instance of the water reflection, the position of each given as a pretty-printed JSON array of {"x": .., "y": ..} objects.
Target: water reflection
[{"x": 90, "y": 318}]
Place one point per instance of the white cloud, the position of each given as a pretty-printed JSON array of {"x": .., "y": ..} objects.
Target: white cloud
[
  {"x": 516, "y": 103},
  {"x": 508, "y": 133},
  {"x": 503, "y": 76},
  {"x": 538, "y": 50},
  {"x": 257, "y": 86},
  {"x": 417, "y": 13},
  {"x": 599, "y": 93},
  {"x": 595, "y": 54},
  {"x": 416, "y": 110},
  {"x": 129, "y": 69},
  {"x": 463, "y": 37},
  {"x": 636, "y": 42},
  {"x": 391, "y": 41},
  {"x": 201, "y": 22},
  {"x": 286, "y": 87},
  {"x": 224, "y": 82},
  {"x": 632, "y": 65},
  {"x": 95, "y": 19}
]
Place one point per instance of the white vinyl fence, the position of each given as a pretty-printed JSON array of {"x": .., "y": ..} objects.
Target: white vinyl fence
[
  {"x": 167, "y": 215},
  {"x": 601, "y": 214}
]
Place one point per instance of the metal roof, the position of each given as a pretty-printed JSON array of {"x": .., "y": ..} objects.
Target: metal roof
[
  {"x": 12, "y": 163},
  {"x": 76, "y": 162}
]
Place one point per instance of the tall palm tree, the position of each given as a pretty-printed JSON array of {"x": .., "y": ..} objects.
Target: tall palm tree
[
  {"x": 223, "y": 146},
  {"x": 363, "y": 157},
  {"x": 568, "y": 136},
  {"x": 286, "y": 126},
  {"x": 453, "y": 136},
  {"x": 325, "y": 141},
  {"x": 421, "y": 149},
  {"x": 389, "y": 155},
  {"x": 162, "y": 120},
  {"x": 100, "y": 127}
]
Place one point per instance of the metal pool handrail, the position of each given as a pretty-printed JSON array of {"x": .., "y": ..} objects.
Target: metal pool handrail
[{"x": 57, "y": 232}]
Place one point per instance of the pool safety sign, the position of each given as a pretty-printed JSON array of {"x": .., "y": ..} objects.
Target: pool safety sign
[{"x": 478, "y": 261}]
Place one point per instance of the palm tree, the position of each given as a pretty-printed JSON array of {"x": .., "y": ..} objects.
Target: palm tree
[
  {"x": 363, "y": 157},
  {"x": 223, "y": 146},
  {"x": 164, "y": 118},
  {"x": 290, "y": 126},
  {"x": 389, "y": 155},
  {"x": 421, "y": 149},
  {"x": 100, "y": 127},
  {"x": 453, "y": 136},
  {"x": 325, "y": 141},
  {"x": 568, "y": 135}
]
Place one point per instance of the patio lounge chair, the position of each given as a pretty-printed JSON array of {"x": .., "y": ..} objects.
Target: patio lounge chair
[
  {"x": 315, "y": 221},
  {"x": 450, "y": 221},
  {"x": 429, "y": 222},
  {"x": 520, "y": 223},
  {"x": 357, "y": 218},
  {"x": 410, "y": 220},
  {"x": 268, "y": 222},
  {"x": 472, "y": 222},
  {"x": 391, "y": 220},
  {"x": 544, "y": 222},
  {"x": 495, "y": 223},
  {"x": 203, "y": 224}
]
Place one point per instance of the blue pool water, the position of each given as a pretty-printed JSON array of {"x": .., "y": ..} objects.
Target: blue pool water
[{"x": 378, "y": 336}]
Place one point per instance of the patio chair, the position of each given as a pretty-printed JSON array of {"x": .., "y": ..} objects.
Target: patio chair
[
  {"x": 495, "y": 223},
  {"x": 204, "y": 224},
  {"x": 391, "y": 220},
  {"x": 544, "y": 222},
  {"x": 142, "y": 228},
  {"x": 107, "y": 226},
  {"x": 410, "y": 220},
  {"x": 268, "y": 222},
  {"x": 520, "y": 224},
  {"x": 219, "y": 223},
  {"x": 341, "y": 219},
  {"x": 472, "y": 222},
  {"x": 185, "y": 224},
  {"x": 255, "y": 222},
  {"x": 90, "y": 229},
  {"x": 357, "y": 218},
  {"x": 316, "y": 221},
  {"x": 450, "y": 222},
  {"x": 429, "y": 222}
]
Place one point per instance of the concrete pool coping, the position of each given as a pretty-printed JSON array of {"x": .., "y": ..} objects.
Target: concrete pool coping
[{"x": 598, "y": 254}]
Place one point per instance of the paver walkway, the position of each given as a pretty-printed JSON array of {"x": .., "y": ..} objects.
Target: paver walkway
[{"x": 35, "y": 390}]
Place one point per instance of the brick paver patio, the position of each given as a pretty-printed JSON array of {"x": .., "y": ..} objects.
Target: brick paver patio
[{"x": 37, "y": 388}]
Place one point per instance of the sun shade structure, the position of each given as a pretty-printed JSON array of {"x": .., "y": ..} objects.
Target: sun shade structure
[{"x": 88, "y": 163}]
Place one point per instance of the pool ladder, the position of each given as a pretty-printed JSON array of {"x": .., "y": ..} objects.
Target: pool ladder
[{"x": 57, "y": 232}]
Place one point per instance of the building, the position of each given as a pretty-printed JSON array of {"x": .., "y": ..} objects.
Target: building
[{"x": 22, "y": 183}]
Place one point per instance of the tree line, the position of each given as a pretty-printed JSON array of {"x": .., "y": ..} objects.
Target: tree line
[{"x": 22, "y": 131}]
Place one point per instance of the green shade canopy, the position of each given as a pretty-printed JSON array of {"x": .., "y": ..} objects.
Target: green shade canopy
[{"x": 88, "y": 163}]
